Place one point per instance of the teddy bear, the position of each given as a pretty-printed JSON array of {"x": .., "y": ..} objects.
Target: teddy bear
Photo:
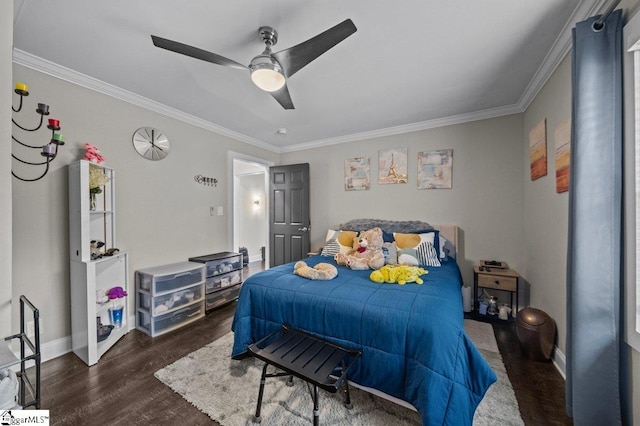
[
  {"x": 93, "y": 154},
  {"x": 400, "y": 274},
  {"x": 366, "y": 252},
  {"x": 322, "y": 271}
]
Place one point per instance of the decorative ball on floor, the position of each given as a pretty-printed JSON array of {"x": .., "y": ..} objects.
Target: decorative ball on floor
[{"x": 536, "y": 332}]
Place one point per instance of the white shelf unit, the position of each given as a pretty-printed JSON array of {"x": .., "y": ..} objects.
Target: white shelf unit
[
  {"x": 85, "y": 224},
  {"x": 88, "y": 277},
  {"x": 169, "y": 297}
]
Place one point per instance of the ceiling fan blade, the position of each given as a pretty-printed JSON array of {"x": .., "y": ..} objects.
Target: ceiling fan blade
[
  {"x": 295, "y": 58},
  {"x": 283, "y": 97},
  {"x": 195, "y": 52}
]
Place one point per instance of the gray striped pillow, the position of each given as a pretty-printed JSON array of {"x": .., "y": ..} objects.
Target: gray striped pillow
[
  {"x": 427, "y": 254},
  {"x": 331, "y": 248}
]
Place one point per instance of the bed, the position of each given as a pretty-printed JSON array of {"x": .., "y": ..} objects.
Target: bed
[{"x": 412, "y": 337}]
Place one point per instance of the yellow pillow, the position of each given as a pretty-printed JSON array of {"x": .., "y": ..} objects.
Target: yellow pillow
[
  {"x": 404, "y": 241},
  {"x": 338, "y": 242}
]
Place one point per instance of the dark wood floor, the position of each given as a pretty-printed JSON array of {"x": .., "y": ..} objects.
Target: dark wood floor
[
  {"x": 121, "y": 388},
  {"x": 539, "y": 387}
]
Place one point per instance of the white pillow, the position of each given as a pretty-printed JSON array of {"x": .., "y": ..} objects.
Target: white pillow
[{"x": 416, "y": 249}]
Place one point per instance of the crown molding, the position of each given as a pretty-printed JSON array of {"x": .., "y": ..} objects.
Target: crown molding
[
  {"x": 408, "y": 128},
  {"x": 561, "y": 47},
  {"x": 50, "y": 68}
]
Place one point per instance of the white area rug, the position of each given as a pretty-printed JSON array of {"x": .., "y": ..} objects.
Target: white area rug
[{"x": 227, "y": 391}]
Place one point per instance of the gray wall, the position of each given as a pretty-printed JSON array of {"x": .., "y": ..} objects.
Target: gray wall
[
  {"x": 546, "y": 222},
  {"x": 155, "y": 228},
  {"x": 6, "y": 88},
  {"x": 545, "y": 211},
  {"x": 163, "y": 215},
  {"x": 486, "y": 199}
]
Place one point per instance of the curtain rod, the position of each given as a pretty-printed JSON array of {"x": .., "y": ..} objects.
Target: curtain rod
[{"x": 600, "y": 22}]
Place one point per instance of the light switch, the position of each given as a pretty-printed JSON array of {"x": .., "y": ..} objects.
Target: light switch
[{"x": 220, "y": 211}]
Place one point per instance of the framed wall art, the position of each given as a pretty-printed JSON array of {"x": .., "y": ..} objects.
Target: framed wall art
[
  {"x": 538, "y": 150},
  {"x": 562, "y": 138},
  {"x": 435, "y": 169},
  {"x": 356, "y": 174},
  {"x": 392, "y": 166}
]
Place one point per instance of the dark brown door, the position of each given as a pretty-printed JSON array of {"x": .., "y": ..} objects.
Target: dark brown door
[{"x": 289, "y": 213}]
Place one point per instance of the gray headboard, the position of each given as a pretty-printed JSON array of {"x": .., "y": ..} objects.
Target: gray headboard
[{"x": 450, "y": 232}]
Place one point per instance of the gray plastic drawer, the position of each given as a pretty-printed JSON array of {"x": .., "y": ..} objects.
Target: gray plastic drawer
[
  {"x": 225, "y": 280},
  {"x": 220, "y": 263},
  {"x": 167, "y": 278},
  {"x": 171, "y": 301},
  {"x": 155, "y": 326},
  {"x": 221, "y": 297}
]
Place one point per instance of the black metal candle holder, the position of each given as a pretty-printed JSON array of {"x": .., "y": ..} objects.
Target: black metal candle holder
[{"x": 48, "y": 150}]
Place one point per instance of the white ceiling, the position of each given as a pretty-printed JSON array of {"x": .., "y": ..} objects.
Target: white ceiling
[{"x": 412, "y": 63}]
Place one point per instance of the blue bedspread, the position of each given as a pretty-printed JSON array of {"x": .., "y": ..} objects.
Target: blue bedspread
[{"x": 412, "y": 337}]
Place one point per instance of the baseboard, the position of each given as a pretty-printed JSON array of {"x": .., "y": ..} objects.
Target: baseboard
[
  {"x": 48, "y": 351},
  {"x": 560, "y": 362},
  {"x": 59, "y": 347},
  {"x": 55, "y": 348}
]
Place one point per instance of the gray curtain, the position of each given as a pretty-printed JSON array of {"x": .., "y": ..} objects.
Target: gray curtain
[{"x": 594, "y": 263}]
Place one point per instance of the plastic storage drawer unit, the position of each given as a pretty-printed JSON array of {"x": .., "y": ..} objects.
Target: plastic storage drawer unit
[
  {"x": 224, "y": 277},
  {"x": 169, "y": 296}
]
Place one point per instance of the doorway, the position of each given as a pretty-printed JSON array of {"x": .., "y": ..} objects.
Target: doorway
[{"x": 250, "y": 223}]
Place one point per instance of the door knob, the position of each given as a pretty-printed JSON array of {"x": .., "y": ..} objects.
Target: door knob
[{"x": 304, "y": 229}]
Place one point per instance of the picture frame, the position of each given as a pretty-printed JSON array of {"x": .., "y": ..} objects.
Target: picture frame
[
  {"x": 392, "y": 166},
  {"x": 538, "y": 150},
  {"x": 357, "y": 174},
  {"x": 435, "y": 169},
  {"x": 562, "y": 138}
]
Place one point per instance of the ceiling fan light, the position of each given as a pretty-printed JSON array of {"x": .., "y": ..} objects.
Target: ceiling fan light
[
  {"x": 267, "y": 79},
  {"x": 266, "y": 74}
]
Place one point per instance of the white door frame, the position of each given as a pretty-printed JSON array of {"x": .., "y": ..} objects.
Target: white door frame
[{"x": 231, "y": 156}]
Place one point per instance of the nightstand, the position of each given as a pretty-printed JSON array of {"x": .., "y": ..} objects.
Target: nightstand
[{"x": 497, "y": 279}]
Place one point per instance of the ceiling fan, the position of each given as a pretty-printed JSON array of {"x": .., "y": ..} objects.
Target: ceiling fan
[{"x": 269, "y": 71}]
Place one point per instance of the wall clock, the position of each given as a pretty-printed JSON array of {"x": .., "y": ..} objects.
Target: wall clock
[{"x": 151, "y": 143}]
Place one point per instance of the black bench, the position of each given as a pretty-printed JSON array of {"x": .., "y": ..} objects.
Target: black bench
[{"x": 316, "y": 361}]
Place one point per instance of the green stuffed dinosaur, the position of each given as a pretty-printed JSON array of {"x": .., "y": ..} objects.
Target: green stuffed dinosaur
[{"x": 400, "y": 274}]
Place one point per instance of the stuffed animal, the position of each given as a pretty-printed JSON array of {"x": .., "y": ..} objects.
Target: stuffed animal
[
  {"x": 400, "y": 274},
  {"x": 322, "y": 271},
  {"x": 367, "y": 251},
  {"x": 93, "y": 154},
  {"x": 95, "y": 249}
]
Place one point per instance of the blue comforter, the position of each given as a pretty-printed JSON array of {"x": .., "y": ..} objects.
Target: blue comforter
[{"x": 412, "y": 337}]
